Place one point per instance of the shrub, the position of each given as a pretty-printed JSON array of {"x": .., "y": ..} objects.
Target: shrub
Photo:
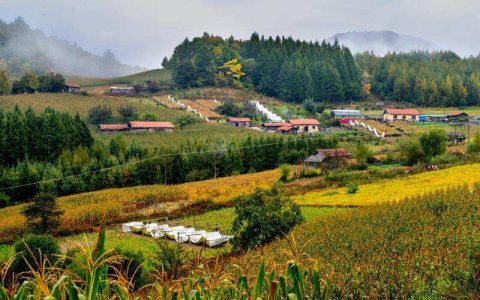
[
  {"x": 43, "y": 214},
  {"x": 433, "y": 143},
  {"x": 4, "y": 200},
  {"x": 362, "y": 154},
  {"x": 34, "y": 249},
  {"x": 131, "y": 266},
  {"x": 410, "y": 151},
  {"x": 128, "y": 112},
  {"x": 169, "y": 259},
  {"x": 186, "y": 120},
  {"x": 352, "y": 188},
  {"x": 474, "y": 145},
  {"x": 263, "y": 217},
  {"x": 285, "y": 171},
  {"x": 99, "y": 114}
]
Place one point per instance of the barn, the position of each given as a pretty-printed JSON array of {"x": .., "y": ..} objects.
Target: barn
[{"x": 401, "y": 114}]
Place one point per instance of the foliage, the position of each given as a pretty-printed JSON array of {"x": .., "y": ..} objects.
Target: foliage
[
  {"x": 263, "y": 217},
  {"x": 362, "y": 154},
  {"x": 186, "y": 120},
  {"x": 229, "y": 109},
  {"x": 313, "y": 108},
  {"x": 43, "y": 137},
  {"x": 4, "y": 200},
  {"x": 170, "y": 258},
  {"x": 352, "y": 188},
  {"x": 474, "y": 146},
  {"x": 410, "y": 151},
  {"x": 128, "y": 112},
  {"x": 131, "y": 266},
  {"x": 5, "y": 86},
  {"x": 423, "y": 78},
  {"x": 99, "y": 114},
  {"x": 280, "y": 67},
  {"x": 32, "y": 250},
  {"x": 285, "y": 171},
  {"x": 42, "y": 214},
  {"x": 433, "y": 143}
]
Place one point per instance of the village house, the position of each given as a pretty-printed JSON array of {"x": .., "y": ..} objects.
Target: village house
[
  {"x": 112, "y": 127},
  {"x": 328, "y": 158},
  {"x": 305, "y": 125},
  {"x": 286, "y": 128},
  {"x": 346, "y": 113},
  {"x": 272, "y": 126},
  {"x": 122, "y": 91},
  {"x": 401, "y": 114},
  {"x": 240, "y": 122},
  {"x": 150, "y": 126},
  {"x": 71, "y": 87},
  {"x": 457, "y": 117}
]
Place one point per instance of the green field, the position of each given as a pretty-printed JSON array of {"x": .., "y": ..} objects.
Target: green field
[
  {"x": 159, "y": 75},
  {"x": 211, "y": 132}
]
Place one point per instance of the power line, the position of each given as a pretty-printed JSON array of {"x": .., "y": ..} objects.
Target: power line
[{"x": 166, "y": 155}]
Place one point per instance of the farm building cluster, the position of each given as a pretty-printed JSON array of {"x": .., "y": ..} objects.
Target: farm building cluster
[
  {"x": 137, "y": 126},
  {"x": 295, "y": 126}
]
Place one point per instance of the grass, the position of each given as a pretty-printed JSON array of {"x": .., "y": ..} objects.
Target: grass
[
  {"x": 159, "y": 75},
  {"x": 423, "y": 248},
  {"x": 82, "y": 211},
  {"x": 393, "y": 190},
  {"x": 209, "y": 132}
]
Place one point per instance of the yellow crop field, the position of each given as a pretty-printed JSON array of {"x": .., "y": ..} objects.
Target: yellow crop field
[
  {"x": 87, "y": 209},
  {"x": 394, "y": 190}
]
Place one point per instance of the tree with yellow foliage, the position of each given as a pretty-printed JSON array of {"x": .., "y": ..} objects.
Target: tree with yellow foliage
[
  {"x": 233, "y": 71},
  {"x": 366, "y": 86}
]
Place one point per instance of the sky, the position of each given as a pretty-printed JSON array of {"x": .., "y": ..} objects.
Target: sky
[{"x": 142, "y": 32}]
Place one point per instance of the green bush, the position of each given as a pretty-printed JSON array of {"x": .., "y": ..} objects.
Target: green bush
[
  {"x": 263, "y": 217},
  {"x": 352, "y": 187},
  {"x": 99, "y": 114},
  {"x": 33, "y": 250},
  {"x": 474, "y": 145},
  {"x": 410, "y": 151},
  {"x": 169, "y": 259},
  {"x": 131, "y": 266},
  {"x": 186, "y": 120},
  {"x": 433, "y": 143},
  {"x": 285, "y": 171}
]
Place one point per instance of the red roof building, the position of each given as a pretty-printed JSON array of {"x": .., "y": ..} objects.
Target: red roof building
[
  {"x": 403, "y": 114},
  {"x": 112, "y": 127},
  {"x": 240, "y": 122},
  {"x": 150, "y": 126},
  {"x": 305, "y": 125}
]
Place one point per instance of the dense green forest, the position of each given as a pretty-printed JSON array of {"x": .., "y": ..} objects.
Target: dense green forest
[
  {"x": 290, "y": 69},
  {"x": 422, "y": 78},
  {"x": 52, "y": 145}
]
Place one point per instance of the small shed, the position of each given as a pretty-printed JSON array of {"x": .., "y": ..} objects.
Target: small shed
[
  {"x": 286, "y": 128},
  {"x": 122, "y": 91},
  {"x": 346, "y": 113},
  {"x": 240, "y": 122},
  {"x": 328, "y": 158},
  {"x": 71, "y": 87},
  {"x": 457, "y": 116},
  {"x": 273, "y": 126},
  {"x": 150, "y": 126},
  {"x": 112, "y": 127}
]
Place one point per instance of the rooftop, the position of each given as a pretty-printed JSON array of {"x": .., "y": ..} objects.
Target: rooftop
[
  {"x": 304, "y": 122},
  {"x": 239, "y": 120},
  {"x": 150, "y": 124},
  {"x": 402, "y": 111}
]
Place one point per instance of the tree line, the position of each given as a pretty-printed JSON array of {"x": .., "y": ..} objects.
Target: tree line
[
  {"x": 281, "y": 67},
  {"x": 119, "y": 164},
  {"x": 39, "y": 137},
  {"x": 32, "y": 83},
  {"x": 423, "y": 78}
]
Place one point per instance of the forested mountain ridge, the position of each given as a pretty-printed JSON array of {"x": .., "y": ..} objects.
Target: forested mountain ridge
[
  {"x": 423, "y": 78},
  {"x": 382, "y": 42},
  {"x": 23, "y": 50},
  {"x": 292, "y": 70}
]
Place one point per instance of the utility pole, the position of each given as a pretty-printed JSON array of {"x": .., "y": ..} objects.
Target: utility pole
[
  {"x": 214, "y": 165},
  {"x": 165, "y": 170}
]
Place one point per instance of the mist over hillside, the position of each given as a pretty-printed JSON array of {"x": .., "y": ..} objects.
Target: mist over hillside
[
  {"x": 382, "y": 42},
  {"x": 23, "y": 49}
]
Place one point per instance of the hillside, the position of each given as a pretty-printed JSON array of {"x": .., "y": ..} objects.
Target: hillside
[
  {"x": 382, "y": 42},
  {"x": 23, "y": 49},
  {"x": 159, "y": 75}
]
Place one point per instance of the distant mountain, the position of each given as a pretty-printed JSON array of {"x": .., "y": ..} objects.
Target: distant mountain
[
  {"x": 23, "y": 49},
  {"x": 382, "y": 42}
]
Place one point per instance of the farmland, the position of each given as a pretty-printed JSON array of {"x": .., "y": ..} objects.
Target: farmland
[
  {"x": 161, "y": 75},
  {"x": 141, "y": 202},
  {"x": 394, "y": 190}
]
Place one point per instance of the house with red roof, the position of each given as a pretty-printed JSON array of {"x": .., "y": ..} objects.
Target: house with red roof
[
  {"x": 112, "y": 127},
  {"x": 401, "y": 114},
  {"x": 150, "y": 126},
  {"x": 240, "y": 122},
  {"x": 305, "y": 125}
]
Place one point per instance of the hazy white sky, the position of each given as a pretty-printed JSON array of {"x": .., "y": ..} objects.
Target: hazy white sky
[{"x": 142, "y": 32}]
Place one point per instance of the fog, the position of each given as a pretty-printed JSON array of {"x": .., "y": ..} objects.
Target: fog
[{"x": 143, "y": 32}]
